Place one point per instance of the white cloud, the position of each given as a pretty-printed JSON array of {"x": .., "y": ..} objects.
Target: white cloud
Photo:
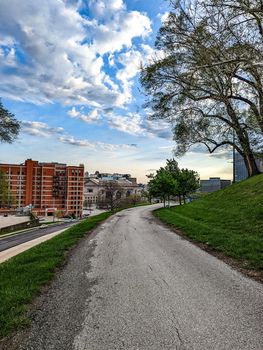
[
  {"x": 134, "y": 124},
  {"x": 40, "y": 129},
  {"x": 222, "y": 154},
  {"x": 119, "y": 31},
  {"x": 132, "y": 61},
  {"x": 8, "y": 57},
  {"x": 114, "y": 147},
  {"x": 57, "y": 55},
  {"x": 74, "y": 142},
  {"x": 163, "y": 16},
  {"x": 158, "y": 128},
  {"x": 92, "y": 117},
  {"x": 102, "y": 8},
  {"x": 95, "y": 145},
  {"x": 130, "y": 124}
]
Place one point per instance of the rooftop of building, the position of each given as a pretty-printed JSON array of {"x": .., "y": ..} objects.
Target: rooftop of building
[
  {"x": 121, "y": 181},
  {"x": 98, "y": 175},
  {"x": 41, "y": 164},
  {"x": 215, "y": 178}
]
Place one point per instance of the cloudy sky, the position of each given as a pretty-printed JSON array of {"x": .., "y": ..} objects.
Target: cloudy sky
[{"x": 69, "y": 71}]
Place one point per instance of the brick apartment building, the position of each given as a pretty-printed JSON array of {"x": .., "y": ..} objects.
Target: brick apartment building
[{"x": 46, "y": 186}]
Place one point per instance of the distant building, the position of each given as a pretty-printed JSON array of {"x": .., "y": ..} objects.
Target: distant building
[
  {"x": 241, "y": 172},
  {"x": 97, "y": 187},
  {"x": 46, "y": 187},
  {"x": 213, "y": 184}
]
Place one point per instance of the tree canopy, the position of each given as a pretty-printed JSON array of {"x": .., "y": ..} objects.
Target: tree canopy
[
  {"x": 163, "y": 185},
  {"x": 207, "y": 78},
  {"x": 171, "y": 181}
]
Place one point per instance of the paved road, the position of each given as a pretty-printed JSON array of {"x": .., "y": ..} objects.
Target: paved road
[
  {"x": 136, "y": 285},
  {"x": 16, "y": 239}
]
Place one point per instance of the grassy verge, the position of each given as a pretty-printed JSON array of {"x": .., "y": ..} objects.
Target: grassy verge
[
  {"x": 230, "y": 220},
  {"x": 22, "y": 277}
]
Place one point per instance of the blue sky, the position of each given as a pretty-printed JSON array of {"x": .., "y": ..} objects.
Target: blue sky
[{"x": 69, "y": 71}]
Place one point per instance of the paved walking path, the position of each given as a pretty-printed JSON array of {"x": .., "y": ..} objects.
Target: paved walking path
[{"x": 135, "y": 285}]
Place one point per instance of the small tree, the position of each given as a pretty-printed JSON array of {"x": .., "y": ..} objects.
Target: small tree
[
  {"x": 147, "y": 195},
  {"x": 163, "y": 185},
  {"x": 9, "y": 126},
  {"x": 57, "y": 214},
  {"x": 111, "y": 187},
  {"x": 188, "y": 182},
  {"x": 134, "y": 199}
]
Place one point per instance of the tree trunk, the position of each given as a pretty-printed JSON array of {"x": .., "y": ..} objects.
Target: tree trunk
[
  {"x": 244, "y": 141},
  {"x": 180, "y": 199},
  {"x": 111, "y": 203},
  {"x": 251, "y": 165},
  {"x": 184, "y": 198},
  {"x": 247, "y": 153}
]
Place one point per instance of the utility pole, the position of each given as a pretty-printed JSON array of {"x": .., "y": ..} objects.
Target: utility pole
[{"x": 234, "y": 158}]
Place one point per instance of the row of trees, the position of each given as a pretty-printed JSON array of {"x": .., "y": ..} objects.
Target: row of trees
[
  {"x": 171, "y": 181},
  {"x": 206, "y": 78}
]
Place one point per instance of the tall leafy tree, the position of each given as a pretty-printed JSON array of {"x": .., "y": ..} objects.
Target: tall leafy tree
[
  {"x": 240, "y": 22},
  {"x": 198, "y": 85},
  {"x": 9, "y": 126}
]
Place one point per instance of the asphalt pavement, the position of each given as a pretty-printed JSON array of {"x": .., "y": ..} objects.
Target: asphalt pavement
[
  {"x": 13, "y": 240},
  {"x": 136, "y": 285}
]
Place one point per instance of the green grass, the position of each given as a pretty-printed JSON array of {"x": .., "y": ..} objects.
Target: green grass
[
  {"x": 22, "y": 277},
  {"x": 230, "y": 220}
]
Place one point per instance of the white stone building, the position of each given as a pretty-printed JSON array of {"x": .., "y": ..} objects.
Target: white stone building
[{"x": 98, "y": 187}]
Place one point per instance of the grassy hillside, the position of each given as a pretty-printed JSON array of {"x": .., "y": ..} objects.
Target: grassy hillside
[{"x": 230, "y": 220}]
